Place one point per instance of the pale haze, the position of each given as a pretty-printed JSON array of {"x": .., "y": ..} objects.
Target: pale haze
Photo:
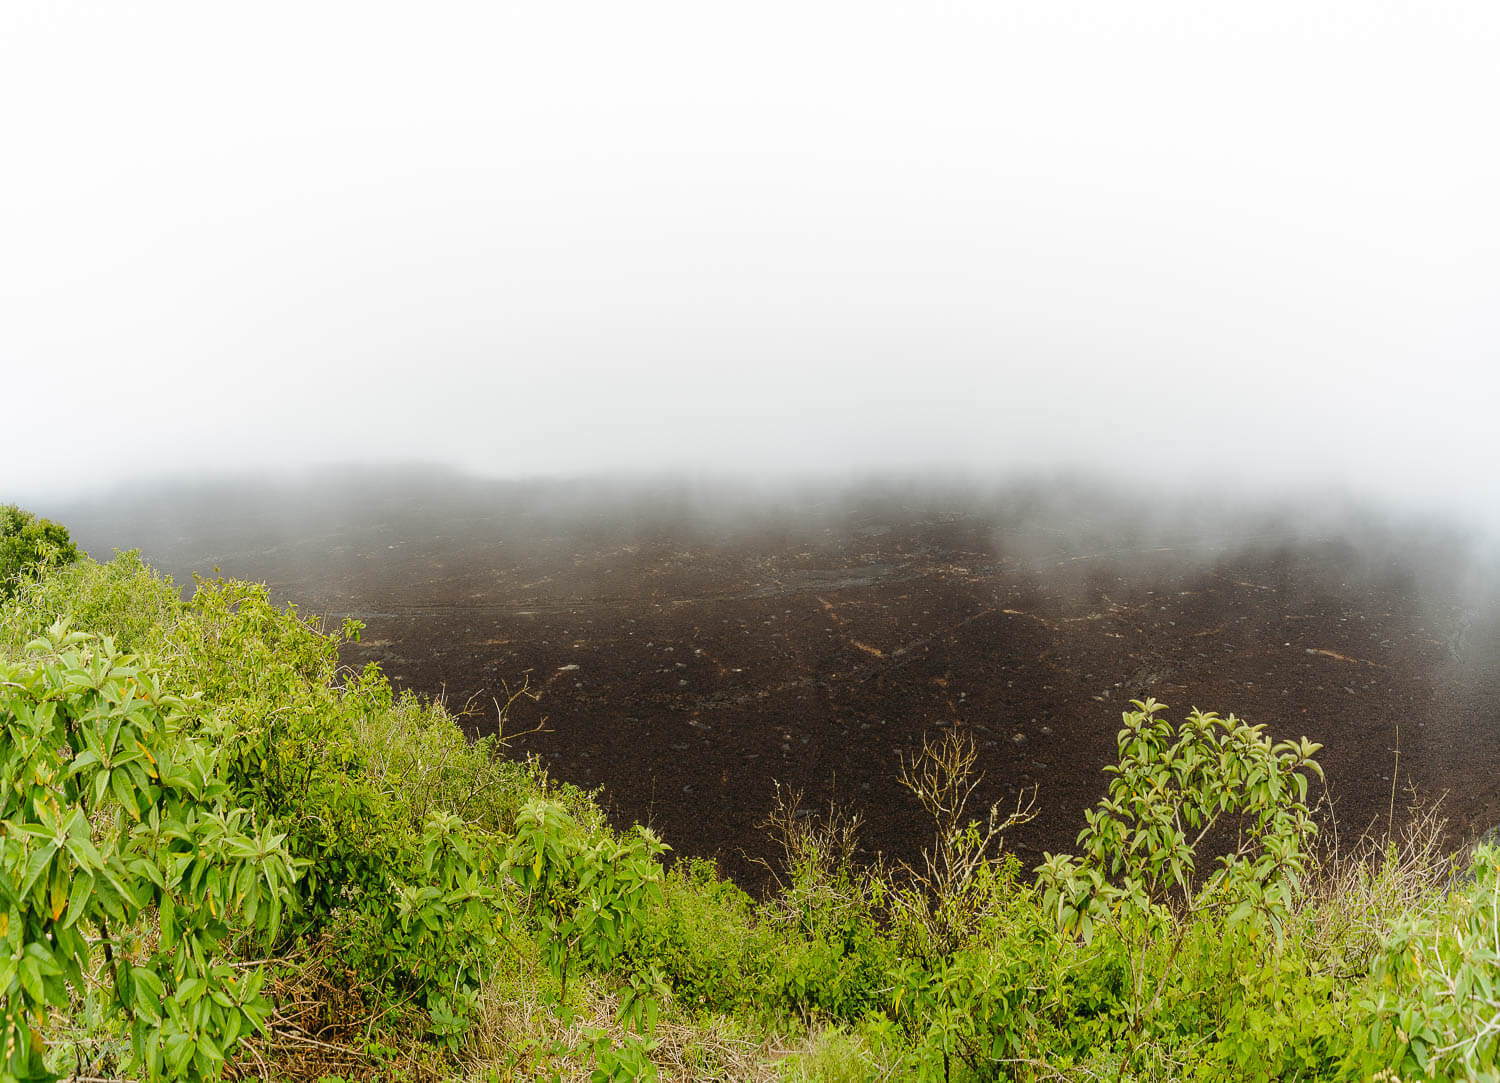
[{"x": 1257, "y": 244}]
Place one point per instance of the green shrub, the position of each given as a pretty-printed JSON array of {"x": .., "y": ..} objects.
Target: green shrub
[
  {"x": 269, "y": 685},
  {"x": 415, "y": 748},
  {"x": 589, "y": 897},
  {"x": 1433, "y": 1009},
  {"x": 364, "y": 786},
  {"x": 111, "y": 809},
  {"x": 829, "y": 954},
  {"x": 1138, "y": 880},
  {"x": 439, "y": 939},
  {"x": 28, "y": 544},
  {"x": 704, "y": 937},
  {"x": 972, "y": 985},
  {"x": 987, "y": 1004},
  {"x": 1172, "y": 787},
  {"x": 123, "y": 599},
  {"x": 589, "y": 894}
]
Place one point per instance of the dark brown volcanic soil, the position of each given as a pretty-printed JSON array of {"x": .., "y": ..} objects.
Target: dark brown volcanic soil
[{"x": 688, "y": 662}]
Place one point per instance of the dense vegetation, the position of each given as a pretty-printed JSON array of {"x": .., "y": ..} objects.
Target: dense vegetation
[
  {"x": 28, "y": 545},
  {"x": 225, "y": 854}
]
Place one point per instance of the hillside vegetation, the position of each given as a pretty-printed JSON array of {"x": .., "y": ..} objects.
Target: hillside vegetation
[{"x": 226, "y": 856}]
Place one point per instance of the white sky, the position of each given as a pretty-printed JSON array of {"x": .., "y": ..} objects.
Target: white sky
[{"x": 1258, "y": 241}]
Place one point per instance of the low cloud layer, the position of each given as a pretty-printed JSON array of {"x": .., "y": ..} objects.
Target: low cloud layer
[{"x": 1161, "y": 241}]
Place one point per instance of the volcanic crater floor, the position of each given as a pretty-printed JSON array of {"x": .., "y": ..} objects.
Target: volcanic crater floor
[{"x": 689, "y": 668}]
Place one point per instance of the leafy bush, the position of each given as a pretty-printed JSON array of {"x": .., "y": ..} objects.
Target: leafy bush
[
  {"x": 588, "y": 894},
  {"x": 28, "y": 544},
  {"x": 123, "y": 599},
  {"x": 1171, "y": 788},
  {"x": 983, "y": 1006},
  {"x": 830, "y": 956},
  {"x": 439, "y": 939},
  {"x": 955, "y": 997},
  {"x": 269, "y": 685},
  {"x": 705, "y": 939},
  {"x": 1138, "y": 878},
  {"x": 407, "y": 887},
  {"x": 110, "y": 809},
  {"x": 1433, "y": 1011},
  {"x": 396, "y": 819}
]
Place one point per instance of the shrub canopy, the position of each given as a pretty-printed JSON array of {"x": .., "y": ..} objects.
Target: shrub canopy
[{"x": 27, "y": 544}]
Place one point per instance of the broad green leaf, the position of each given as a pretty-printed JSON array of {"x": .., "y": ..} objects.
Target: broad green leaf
[
  {"x": 37, "y": 865},
  {"x": 31, "y": 979},
  {"x": 167, "y": 917},
  {"x": 119, "y": 782}
]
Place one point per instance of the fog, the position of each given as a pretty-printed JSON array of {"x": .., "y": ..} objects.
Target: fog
[{"x": 1253, "y": 249}]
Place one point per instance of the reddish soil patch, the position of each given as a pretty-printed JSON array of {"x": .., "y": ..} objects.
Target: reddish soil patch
[{"x": 689, "y": 664}]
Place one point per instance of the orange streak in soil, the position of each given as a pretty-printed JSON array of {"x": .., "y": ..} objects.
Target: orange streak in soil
[{"x": 1345, "y": 658}]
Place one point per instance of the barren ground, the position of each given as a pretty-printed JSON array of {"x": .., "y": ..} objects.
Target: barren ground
[{"x": 689, "y": 661}]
